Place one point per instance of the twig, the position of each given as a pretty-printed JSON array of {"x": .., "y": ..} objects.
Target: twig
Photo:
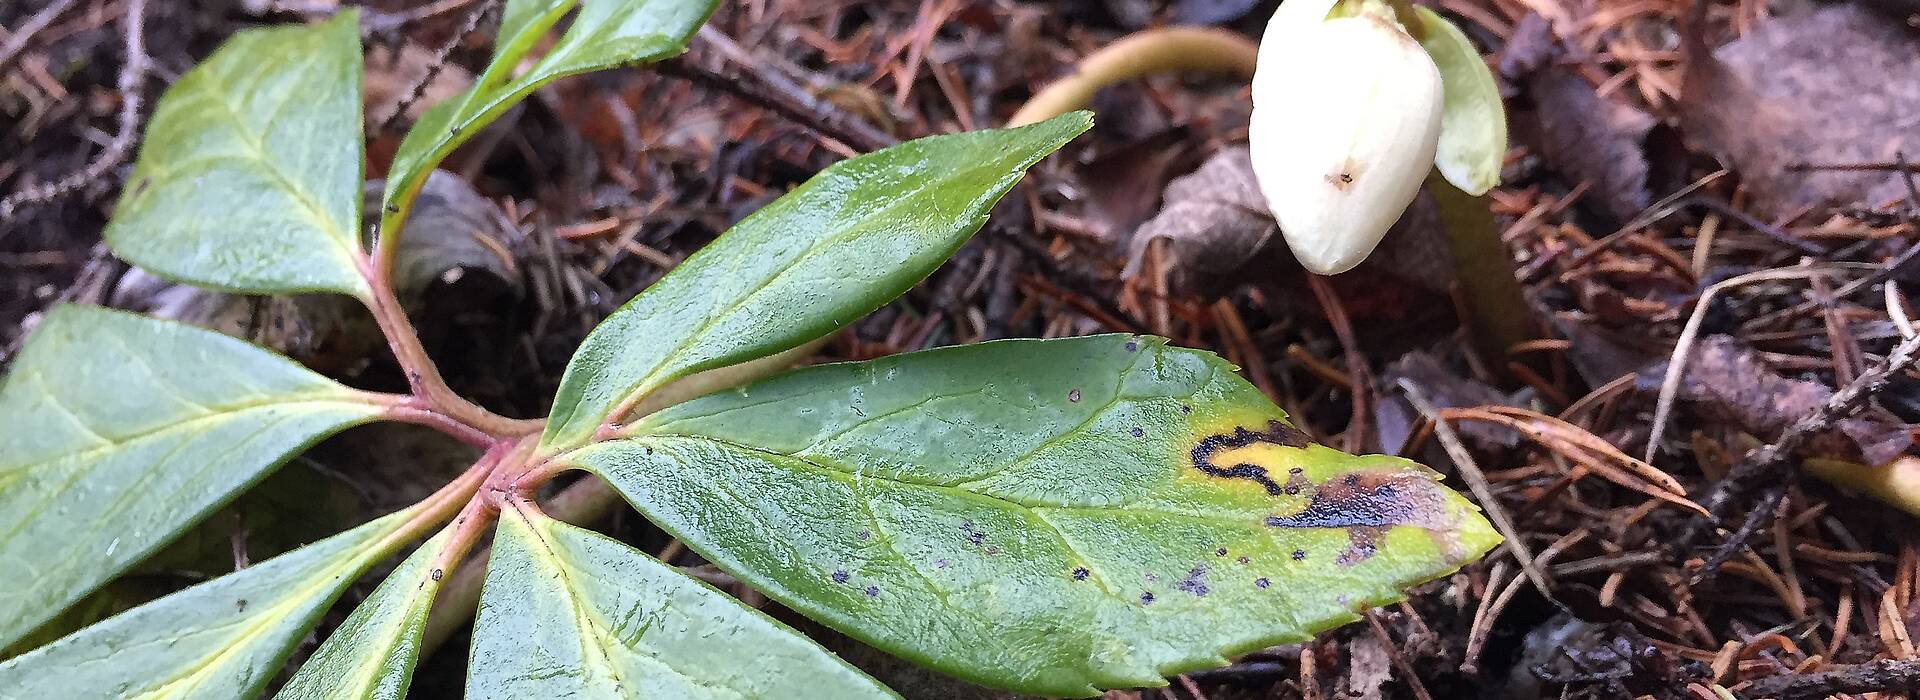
[
  {"x": 1356, "y": 436},
  {"x": 131, "y": 72},
  {"x": 1477, "y": 482},
  {"x": 1895, "y": 166},
  {"x": 1399, "y": 660},
  {"x": 1880, "y": 676},
  {"x": 1764, "y": 465},
  {"x": 766, "y": 88},
  {"x": 474, "y": 19},
  {"x": 18, "y": 41},
  {"x": 1683, "y": 346}
]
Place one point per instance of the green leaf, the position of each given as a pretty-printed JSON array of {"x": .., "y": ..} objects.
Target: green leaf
[
  {"x": 372, "y": 654},
  {"x": 568, "y": 613},
  {"x": 1050, "y": 516},
  {"x": 122, "y": 431},
  {"x": 249, "y": 178},
  {"x": 1473, "y": 121},
  {"x": 605, "y": 34},
  {"x": 848, "y": 241},
  {"x": 221, "y": 639}
]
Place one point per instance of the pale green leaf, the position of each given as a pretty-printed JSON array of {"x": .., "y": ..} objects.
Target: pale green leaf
[
  {"x": 122, "y": 431},
  {"x": 1473, "y": 121},
  {"x": 568, "y": 613},
  {"x": 249, "y": 176},
  {"x": 371, "y": 655},
  {"x": 604, "y": 34},
  {"x": 1051, "y": 516},
  {"x": 848, "y": 241},
  {"x": 221, "y": 639}
]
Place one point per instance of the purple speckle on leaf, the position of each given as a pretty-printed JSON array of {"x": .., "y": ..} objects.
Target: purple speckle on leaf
[
  {"x": 1080, "y": 574},
  {"x": 872, "y": 591},
  {"x": 1260, "y": 582},
  {"x": 840, "y": 577}
]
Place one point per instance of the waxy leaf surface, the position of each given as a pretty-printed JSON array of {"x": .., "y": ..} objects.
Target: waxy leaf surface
[
  {"x": 221, "y": 639},
  {"x": 249, "y": 176},
  {"x": 604, "y": 34},
  {"x": 1473, "y": 120},
  {"x": 122, "y": 431},
  {"x": 1051, "y": 516},
  {"x": 568, "y": 613},
  {"x": 371, "y": 655},
  {"x": 841, "y": 245}
]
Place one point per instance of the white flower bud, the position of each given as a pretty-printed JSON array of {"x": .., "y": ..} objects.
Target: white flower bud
[{"x": 1346, "y": 115}]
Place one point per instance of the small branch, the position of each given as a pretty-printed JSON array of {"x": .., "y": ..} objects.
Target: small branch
[
  {"x": 131, "y": 72},
  {"x": 761, "y": 86},
  {"x": 1888, "y": 675},
  {"x": 439, "y": 63},
  {"x": 1477, "y": 482},
  {"x": 18, "y": 41},
  {"x": 1768, "y": 464}
]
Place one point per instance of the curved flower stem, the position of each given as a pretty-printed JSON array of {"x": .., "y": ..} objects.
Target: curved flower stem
[
  {"x": 1140, "y": 54},
  {"x": 423, "y": 376}
]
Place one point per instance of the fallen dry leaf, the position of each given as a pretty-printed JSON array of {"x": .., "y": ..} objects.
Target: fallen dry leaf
[
  {"x": 1727, "y": 381},
  {"x": 1219, "y": 235},
  {"x": 1586, "y": 137},
  {"x": 1834, "y": 85}
]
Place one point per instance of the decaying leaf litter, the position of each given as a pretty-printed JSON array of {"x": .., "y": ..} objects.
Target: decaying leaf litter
[{"x": 1660, "y": 151}]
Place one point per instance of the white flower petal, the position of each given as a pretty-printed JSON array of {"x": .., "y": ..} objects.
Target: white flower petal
[{"x": 1346, "y": 116}]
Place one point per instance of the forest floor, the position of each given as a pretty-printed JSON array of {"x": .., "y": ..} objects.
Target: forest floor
[{"x": 1725, "y": 182}]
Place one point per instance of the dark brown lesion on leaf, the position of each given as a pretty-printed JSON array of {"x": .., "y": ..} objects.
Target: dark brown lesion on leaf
[
  {"x": 1368, "y": 505},
  {"x": 1277, "y": 433}
]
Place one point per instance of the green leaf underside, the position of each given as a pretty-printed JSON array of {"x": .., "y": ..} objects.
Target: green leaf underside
[
  {"x": 248, "y": 179},
  {"x": 372, "y": 654},
  {"x": 1050, "y": 516},
  {"x": 125, "y": 430},
  {"x": 604, "y": 34},
  {"x": 570, "y": 613},
  {"x": 225, "y": 638},
  {"x": 841, "y": 245},
  {"x": 1473, "y": 120}
]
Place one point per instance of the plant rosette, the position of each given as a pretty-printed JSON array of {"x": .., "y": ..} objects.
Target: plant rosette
[{"x": 1049, "y": 516}]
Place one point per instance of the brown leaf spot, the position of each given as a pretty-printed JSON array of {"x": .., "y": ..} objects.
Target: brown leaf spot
[{"x": 1369, "y": 504}]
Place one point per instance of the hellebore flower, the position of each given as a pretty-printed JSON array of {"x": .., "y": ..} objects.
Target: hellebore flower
[{"x": 1347, "y": 120}]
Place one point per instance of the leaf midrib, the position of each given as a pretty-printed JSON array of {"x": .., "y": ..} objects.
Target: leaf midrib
[
  {"x": 589, "y": 620},
  {"x": 213, "y": 414},
  {"x": 664, "y": 368}
]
